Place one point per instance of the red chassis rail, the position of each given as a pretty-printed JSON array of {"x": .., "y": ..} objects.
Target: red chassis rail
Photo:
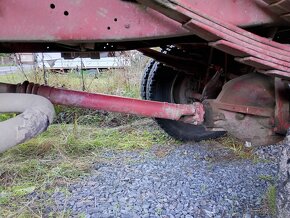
[{"x": 85, "y": 22}]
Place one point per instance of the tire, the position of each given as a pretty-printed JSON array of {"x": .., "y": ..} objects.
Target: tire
[
  {"x": 167, "y": 49},
  {"x": 145, "y": 79},
  {"x": 161, "y": 83}
]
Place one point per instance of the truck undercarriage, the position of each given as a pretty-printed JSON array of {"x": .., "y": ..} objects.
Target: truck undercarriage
[{"x": 223, "y": 66}]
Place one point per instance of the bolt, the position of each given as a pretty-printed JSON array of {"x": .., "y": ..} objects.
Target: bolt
[{"x": 240, "y": 116}]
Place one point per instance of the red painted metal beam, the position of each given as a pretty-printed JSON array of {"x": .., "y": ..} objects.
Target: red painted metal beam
[
  {"x": 114, "y": 20},
  {"x": 245, "y": 109},
  {"x": 193, "y": 113}
]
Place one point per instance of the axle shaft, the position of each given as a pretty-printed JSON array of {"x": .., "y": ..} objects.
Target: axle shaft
[{"x": 193, "y": 113}]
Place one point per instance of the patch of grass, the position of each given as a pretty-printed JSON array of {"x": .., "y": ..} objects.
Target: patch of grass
[
  {"x": 236, "y": 148},
  {"x": 6, "y": 116},
  {"x": 114, "y": 138},
  {"x": 67, "y": 150},
  {"x": 267, "y": 178},
  {"x": 123, "y": 82},
  {"x": 60, "y": 156},
  {"x": 271, "y": 200}
]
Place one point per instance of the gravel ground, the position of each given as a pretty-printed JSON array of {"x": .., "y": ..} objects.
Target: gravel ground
[{"x": 192, "y": 180}]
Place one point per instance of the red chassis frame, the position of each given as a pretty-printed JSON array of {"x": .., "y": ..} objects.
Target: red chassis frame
[{"x": 24, "y": 24}]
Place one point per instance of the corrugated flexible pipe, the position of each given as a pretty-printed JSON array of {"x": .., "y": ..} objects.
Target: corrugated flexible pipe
[{"x": 36, "y": 111}]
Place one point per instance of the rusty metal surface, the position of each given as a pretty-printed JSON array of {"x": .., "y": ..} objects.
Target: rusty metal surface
[
  {"x": 225, "y": 26},
  {"x": 81, "y": 20},
  {"x": 112, "y": 20},
  {"x": 212, "y": 29},
  {"x": 245, "y": 108},
  {"x": 241, "y": 51},
  {"x": 280, "y": 7},
  {"x": 249, "y": 48},
  {"x": 266, "y": 65},
  {"x": 275, "y": 73},
  {"x": 192, "y": 113},
  {"x": 255, "y": 129},
  {"x": 240, "y": 13},
  {"x": 249, "y": 90},
  {"x": 259, "y": 111},
  {"x": 212, "y": 87},
  {"x": 180, "y": 63},
  {"x": 282, "y": 122},
  {"x": 237, "y": 12}
]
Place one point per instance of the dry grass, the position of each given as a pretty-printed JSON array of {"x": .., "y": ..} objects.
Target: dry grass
[
  {"x": 66, "y": 152},
  {"x": 230, "y": 148},
  {"x": 237, "y": 147}
]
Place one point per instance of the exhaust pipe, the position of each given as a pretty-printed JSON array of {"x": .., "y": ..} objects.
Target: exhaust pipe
[{"x": 37, "y": 114}]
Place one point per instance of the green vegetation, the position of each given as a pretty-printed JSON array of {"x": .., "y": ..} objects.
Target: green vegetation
[
  {"x": 62, "y": 154},
  {"x": 124, "y": 82},
  {"x": 271, "y": 200},
  {"x": 267, "y": 178},
  {"x": 270, "y": 196},
  {"x": 69, "y": 148},
  {"x": 7, "y": 116}
]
